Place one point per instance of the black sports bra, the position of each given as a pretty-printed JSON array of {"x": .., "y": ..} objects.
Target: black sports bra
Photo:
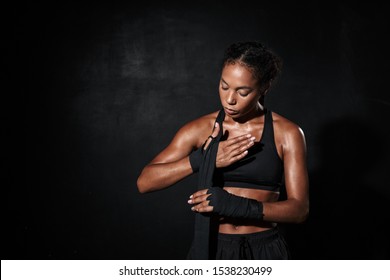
[{"x": 261, "y": 168}]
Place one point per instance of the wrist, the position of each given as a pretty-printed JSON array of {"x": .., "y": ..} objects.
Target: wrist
[{"x": 230, "y": 205}]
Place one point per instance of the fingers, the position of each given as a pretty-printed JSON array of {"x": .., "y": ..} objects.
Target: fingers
[
  {"x": 200, "y": 202},
  {"x": 240, "y": 146},
  {"x": 202, "y": 208},
  {"x": 199, "y": 197},
  {"x": 198, "y": 193},
  {"x": 239, "y": 156},
  {"x": 215, "y": 130},
  {"x": 234, "y": 149},
  {"x": 240, "y": 141},
  {"x": 231, "y": 150}
]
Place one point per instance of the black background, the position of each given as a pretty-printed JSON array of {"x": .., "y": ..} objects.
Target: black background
[{"x": 96, "y": 91}]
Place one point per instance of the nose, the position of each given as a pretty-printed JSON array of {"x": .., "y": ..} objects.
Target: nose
[{"x": 231, "y": 98}]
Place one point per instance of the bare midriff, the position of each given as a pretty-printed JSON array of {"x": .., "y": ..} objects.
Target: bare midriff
[{"x": 240, "y": 226}]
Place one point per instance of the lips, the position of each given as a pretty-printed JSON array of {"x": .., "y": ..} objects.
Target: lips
[{"x": 231, "y": 111}]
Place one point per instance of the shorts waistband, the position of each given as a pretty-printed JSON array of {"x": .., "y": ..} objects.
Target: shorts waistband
[{"x": 249, "y": 236}]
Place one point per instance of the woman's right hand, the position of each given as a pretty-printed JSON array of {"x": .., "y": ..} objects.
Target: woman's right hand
[{"x": 231, "y": 150}]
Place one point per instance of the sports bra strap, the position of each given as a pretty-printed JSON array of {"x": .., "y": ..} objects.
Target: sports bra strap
[
  {"x": 220, "y": 118},
  {"x": 268, "y": 127}
]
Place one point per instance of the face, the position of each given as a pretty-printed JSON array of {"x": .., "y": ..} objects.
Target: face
[{"x": 239, "y": 91}]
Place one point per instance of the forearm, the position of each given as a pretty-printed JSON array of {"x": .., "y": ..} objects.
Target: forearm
[
  {"x": 156, "y": 176},
  {"x": 286, "y": 211},
  {"x": 225, "y": 204}
]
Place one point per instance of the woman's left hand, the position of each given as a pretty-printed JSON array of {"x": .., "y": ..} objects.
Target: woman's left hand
[{"x": 199, "y": 198}]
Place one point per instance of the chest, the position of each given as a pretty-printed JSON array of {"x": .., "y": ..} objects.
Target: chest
[{"x": 232, "y": 131}]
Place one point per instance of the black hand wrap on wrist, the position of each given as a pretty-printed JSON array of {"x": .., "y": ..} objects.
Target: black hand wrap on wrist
[
  {"x": 229, "y": 205},
  {"x": 195, "y": 159}
]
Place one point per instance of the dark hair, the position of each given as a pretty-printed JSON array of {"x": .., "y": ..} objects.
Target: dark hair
[{"x": 261, "y": 61}]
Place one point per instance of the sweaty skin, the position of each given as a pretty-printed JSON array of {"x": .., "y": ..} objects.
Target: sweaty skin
[{"x": 240, "y": 93}]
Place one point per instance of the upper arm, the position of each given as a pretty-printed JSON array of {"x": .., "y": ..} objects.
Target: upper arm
[{"x": 295, "y": 165}]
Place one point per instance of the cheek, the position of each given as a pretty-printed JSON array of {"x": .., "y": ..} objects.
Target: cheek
[
  {"x": 222, "y": 94},
  {"x": 250, "y": 102}
]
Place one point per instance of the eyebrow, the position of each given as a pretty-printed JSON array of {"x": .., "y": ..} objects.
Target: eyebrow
[{"x": 243, "y": 87}]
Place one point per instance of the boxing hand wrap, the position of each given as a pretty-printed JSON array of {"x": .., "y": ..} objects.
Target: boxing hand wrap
[
  {"x": 229, "y": 205},
  {"x": 196, "y": 158}
]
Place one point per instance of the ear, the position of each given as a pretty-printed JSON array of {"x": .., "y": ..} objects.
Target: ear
[
  {"x": 265, "y": 88},
  {"x": 261, "y": 99}
]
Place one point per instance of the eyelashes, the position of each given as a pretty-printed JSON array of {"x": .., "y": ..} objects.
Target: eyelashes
[{"x": 243, "y": 94}]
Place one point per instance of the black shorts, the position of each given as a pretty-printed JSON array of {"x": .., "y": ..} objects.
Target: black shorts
[{"x": 264, "y": 245}]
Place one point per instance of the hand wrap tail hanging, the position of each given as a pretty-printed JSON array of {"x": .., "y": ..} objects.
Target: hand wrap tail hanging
[{"x": 205, "y": 232}]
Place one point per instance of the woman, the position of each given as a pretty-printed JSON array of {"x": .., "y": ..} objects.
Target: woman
[{"x": 245, "y": 153}]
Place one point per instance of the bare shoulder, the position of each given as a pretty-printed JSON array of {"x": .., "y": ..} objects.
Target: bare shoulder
[
  {"x": 286, "y": 131},
  {"x": 197, "y": 130},
  {"x": 189, "y": 136}
]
